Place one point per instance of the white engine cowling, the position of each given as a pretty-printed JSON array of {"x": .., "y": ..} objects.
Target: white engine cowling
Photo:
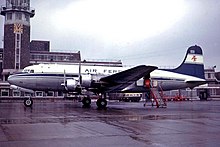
[
  {"x": 71, "y": 84},
  {"x": 86, "y": 80}
]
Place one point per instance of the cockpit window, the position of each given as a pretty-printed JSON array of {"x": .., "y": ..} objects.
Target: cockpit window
[
  {"x": 25, "y": 70},
  {"x": 28, "y": 70}
]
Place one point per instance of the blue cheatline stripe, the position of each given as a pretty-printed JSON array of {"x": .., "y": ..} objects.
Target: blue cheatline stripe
[{"x": 45, "y": 75}]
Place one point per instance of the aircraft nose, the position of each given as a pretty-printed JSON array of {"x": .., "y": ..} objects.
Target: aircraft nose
[{"x": 12, "y": 80}]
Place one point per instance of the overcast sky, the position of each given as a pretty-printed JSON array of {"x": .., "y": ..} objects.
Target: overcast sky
[{"x": 152, "y": 32}]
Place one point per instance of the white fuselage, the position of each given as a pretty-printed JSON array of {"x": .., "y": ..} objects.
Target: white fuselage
[{"x": 51, "y": 76}]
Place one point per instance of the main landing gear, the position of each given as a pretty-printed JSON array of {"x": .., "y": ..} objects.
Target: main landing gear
[
  {"x": 101, "y": 102},
  {"x": 86, "y": 102},
  {"x": 28, "y": 102}
]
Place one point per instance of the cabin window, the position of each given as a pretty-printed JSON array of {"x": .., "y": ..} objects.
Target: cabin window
[{"x": 31, "y": 71}]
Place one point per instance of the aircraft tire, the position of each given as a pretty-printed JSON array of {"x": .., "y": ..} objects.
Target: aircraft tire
[
  {"x": 101, "y": 103},
  {"x": 28, "y": 102},
  {"x": 86, "y": 102}
]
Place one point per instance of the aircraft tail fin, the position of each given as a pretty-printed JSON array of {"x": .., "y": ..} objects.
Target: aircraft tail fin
[{"x": 193, "y": 63}]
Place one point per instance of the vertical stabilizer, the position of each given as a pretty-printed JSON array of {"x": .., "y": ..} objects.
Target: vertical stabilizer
[{"x": 193, "y": 63}]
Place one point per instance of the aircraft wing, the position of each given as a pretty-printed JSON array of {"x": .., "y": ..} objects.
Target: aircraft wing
[{"x": 121, "y": 80}]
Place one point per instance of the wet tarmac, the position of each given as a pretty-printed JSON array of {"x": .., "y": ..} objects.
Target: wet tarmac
[{"x": 67, "y": 124}]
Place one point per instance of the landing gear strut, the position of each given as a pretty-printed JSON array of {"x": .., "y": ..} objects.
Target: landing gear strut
[{"x": 28, "y": 102}]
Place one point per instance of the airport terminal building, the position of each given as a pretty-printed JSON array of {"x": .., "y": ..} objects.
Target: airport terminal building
[{"x": 18, "y": 52}]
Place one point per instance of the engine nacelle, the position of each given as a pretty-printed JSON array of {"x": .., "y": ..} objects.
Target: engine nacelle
[
  {"x": 86, "y": 80},
  {"x": 71, "y": 84}
]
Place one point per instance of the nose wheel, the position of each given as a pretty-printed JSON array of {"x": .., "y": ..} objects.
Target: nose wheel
[{"x": 28, "y": 102}]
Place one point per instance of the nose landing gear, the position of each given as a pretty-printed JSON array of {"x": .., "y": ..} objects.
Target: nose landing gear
[{"x": 28, "y": 102}]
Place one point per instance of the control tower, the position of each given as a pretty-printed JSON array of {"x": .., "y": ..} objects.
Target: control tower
[{"x": 16, "y": 53}]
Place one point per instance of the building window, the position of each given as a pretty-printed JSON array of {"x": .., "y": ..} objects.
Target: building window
[
  {"x": 18, "y": 16},
  {"x": 16, "y": 93},
  {"x": 8, "y": 3},
  {"x": 209, "y": 75},
  {"x": 5, "y": 92},
  {"x": 50, "y": 94},
  {"x": 26, "y": 3},
  {"x": 17, "y": 58},
  {"x": 27, "y": 17},
  {"x": 39, "y": 94},
  {"x": 9, "y": 16},
  {"x": 18, "y": 36},
  {"x": 17, "y": 66},
  {"x": 60, "y": 94},
  {"x": 213, "y": 92},
  {"x": 17, "y": 51},
  {"x": 16, "y": 3},
  {"x": 26, "y": 94},
  {"x": 18, "y": 43}
]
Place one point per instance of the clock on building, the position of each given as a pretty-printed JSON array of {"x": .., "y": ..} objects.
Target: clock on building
[{"x": 18, "y": 28}]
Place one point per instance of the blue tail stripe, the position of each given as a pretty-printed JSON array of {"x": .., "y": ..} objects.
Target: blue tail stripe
[{"x": 191, "y": 69}]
